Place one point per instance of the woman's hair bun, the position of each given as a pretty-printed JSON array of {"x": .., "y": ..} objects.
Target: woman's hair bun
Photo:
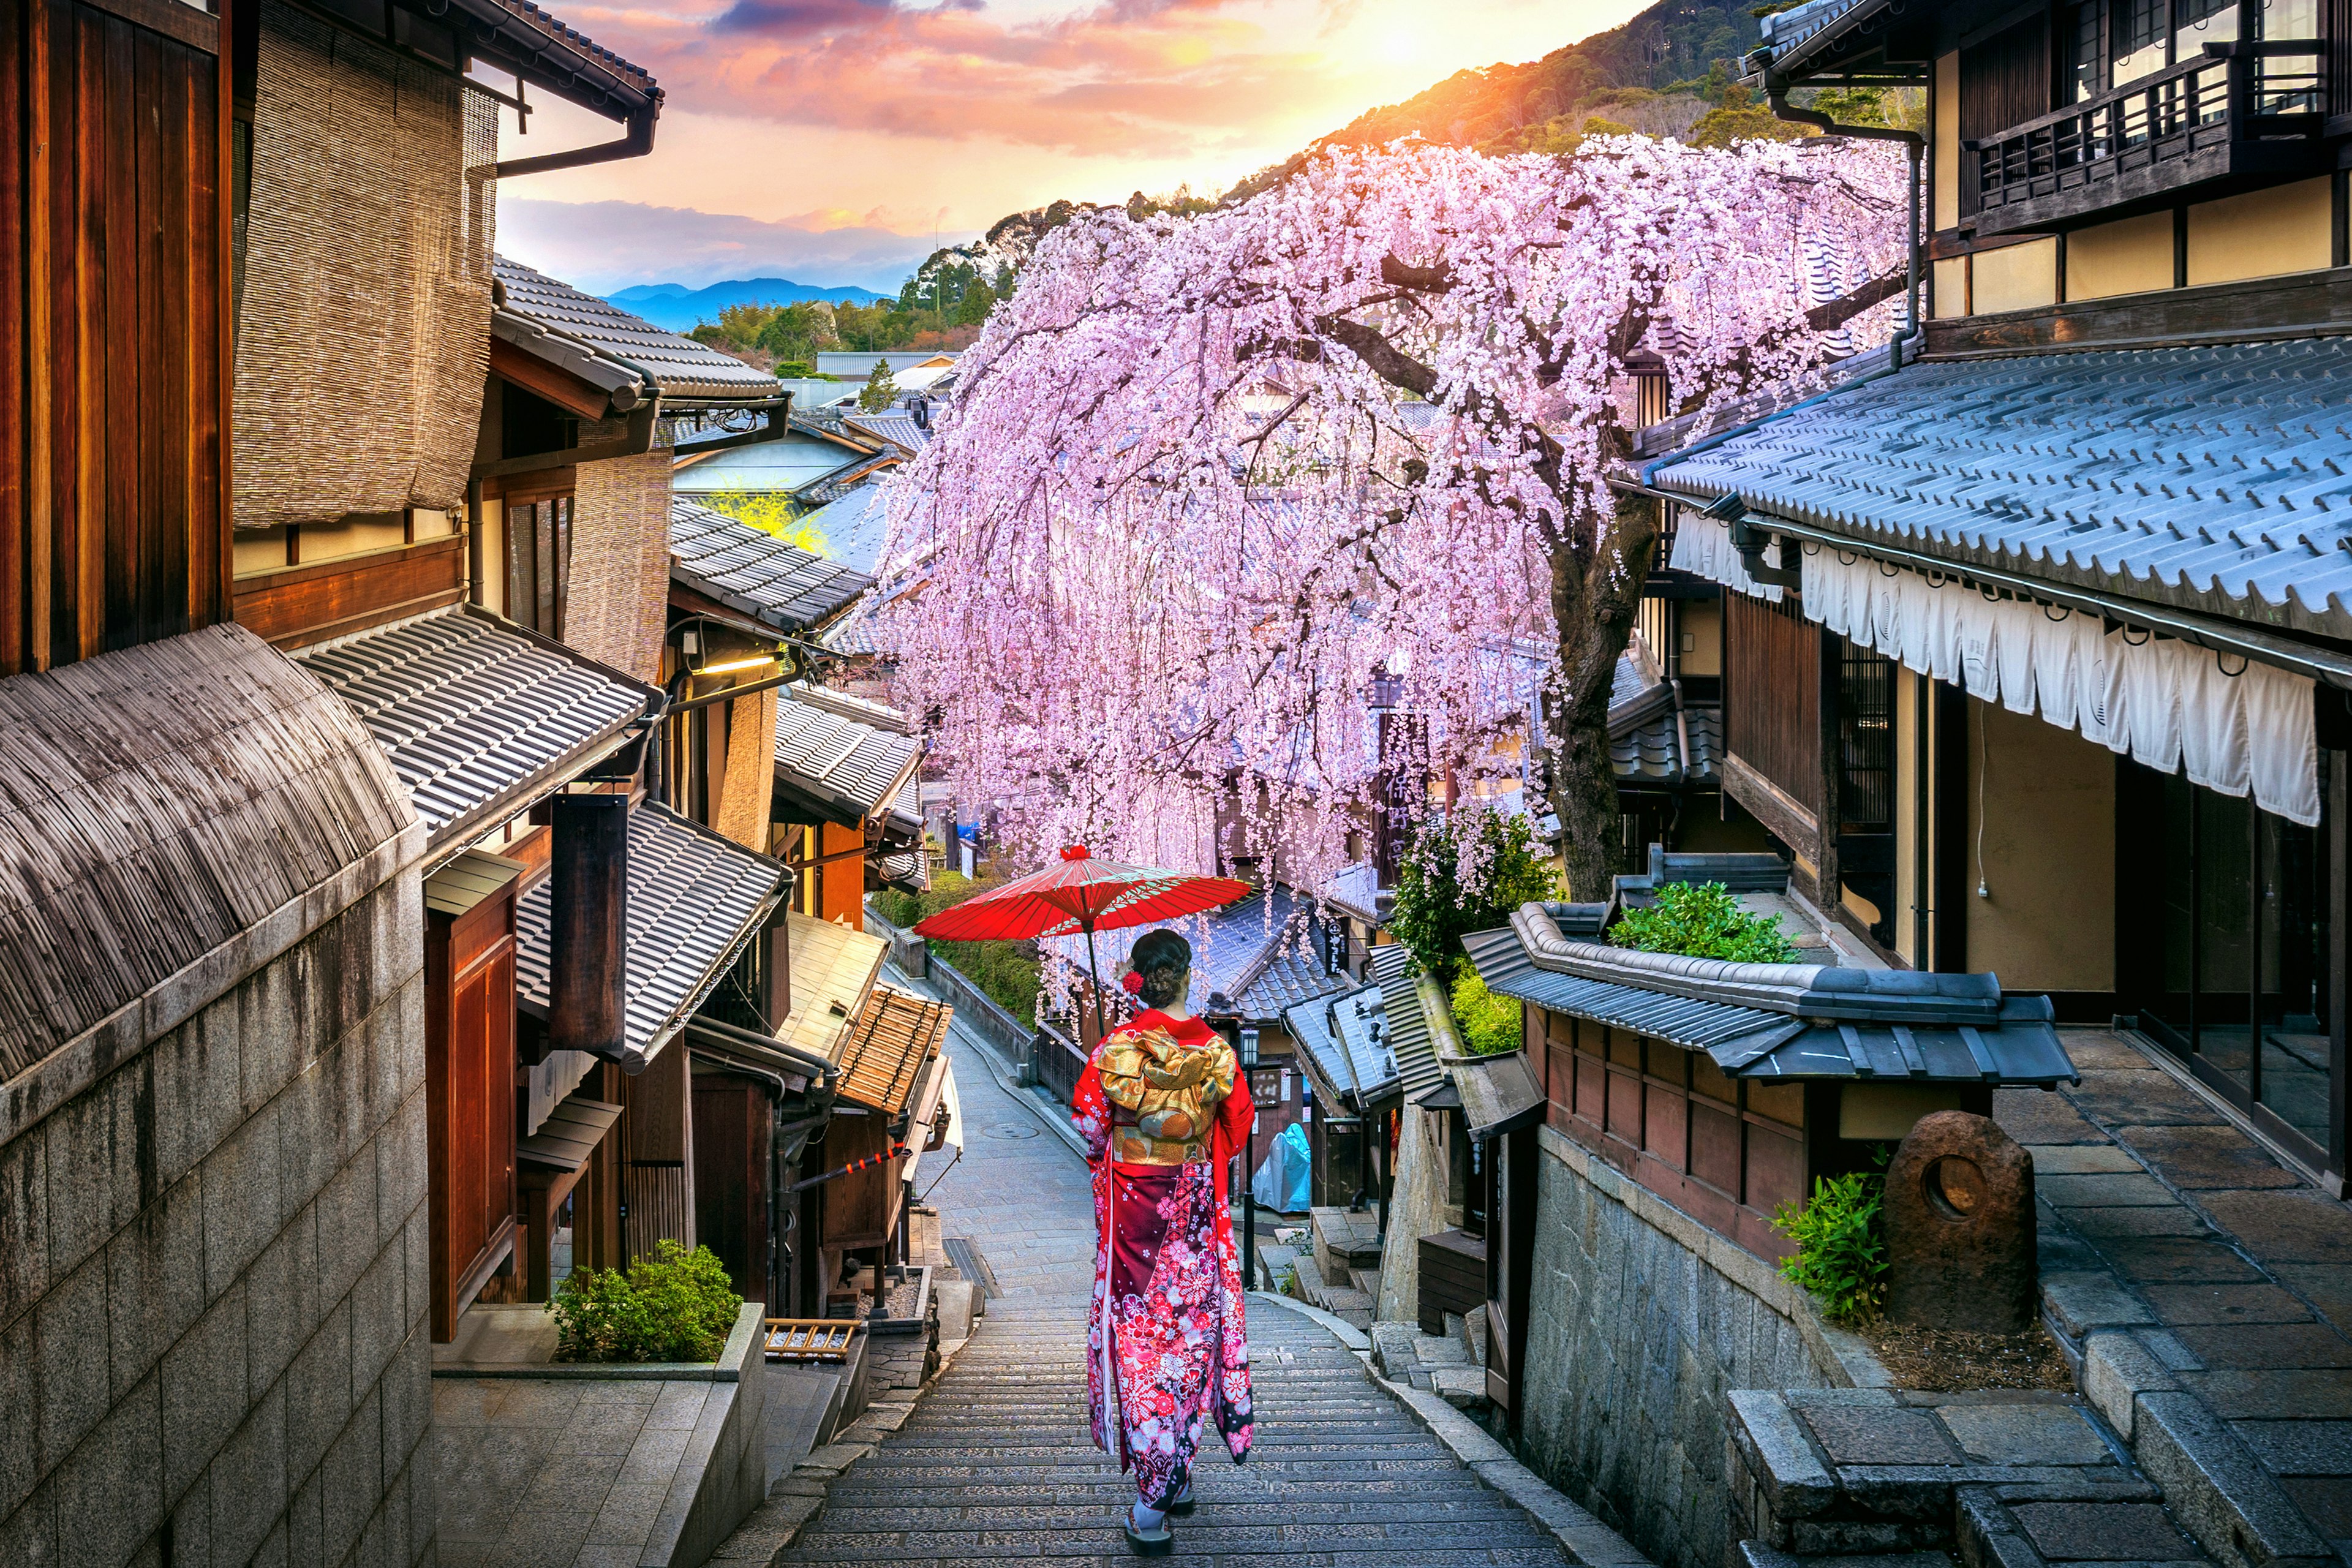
[{"x": 1163, "y": 961}]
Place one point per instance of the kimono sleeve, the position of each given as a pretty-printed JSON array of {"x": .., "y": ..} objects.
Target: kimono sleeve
[
  {"x": 1236, "y": 1116},
  {"x": 1091, "y": 1110}
]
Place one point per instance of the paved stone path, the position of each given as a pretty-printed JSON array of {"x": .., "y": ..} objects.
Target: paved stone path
[
  {"x": 996, "y": 1466},
  {"x": 2186, "y": 1261}
]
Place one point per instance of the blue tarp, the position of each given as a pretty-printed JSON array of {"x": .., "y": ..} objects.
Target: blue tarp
[{"x": 1281, "y": 1183}]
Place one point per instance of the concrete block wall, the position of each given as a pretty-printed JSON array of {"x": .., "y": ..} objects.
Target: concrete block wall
[
  {"x": 1640, "y": 1323},
  {"x": 212, "y": 1278}
]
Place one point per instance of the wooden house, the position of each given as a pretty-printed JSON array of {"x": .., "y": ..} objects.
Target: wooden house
[{"x": 2018, "y": 694}]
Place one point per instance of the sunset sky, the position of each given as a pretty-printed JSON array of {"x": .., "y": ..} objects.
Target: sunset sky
[{"x": 829, "y": 139}]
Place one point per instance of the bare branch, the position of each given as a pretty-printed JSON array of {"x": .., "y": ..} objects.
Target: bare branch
[
  {"x": 1846, "y": 307},
  {"x": 1436, "y": 280}
]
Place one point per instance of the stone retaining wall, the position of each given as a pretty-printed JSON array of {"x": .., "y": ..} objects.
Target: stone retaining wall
[
  {"x": 212, "y": 1267},
  {"x": 1640, "y": 1322}
]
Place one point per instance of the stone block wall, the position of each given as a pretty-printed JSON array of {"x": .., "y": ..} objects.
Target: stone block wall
[
  {"x": 1640, "y": 1323},
  {"x": 213, "y": 1276}
]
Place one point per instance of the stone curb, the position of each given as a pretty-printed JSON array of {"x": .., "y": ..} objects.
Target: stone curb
[
  {"x": 1585, "y": 1539},
  {"x": 799, "y": 1496}
]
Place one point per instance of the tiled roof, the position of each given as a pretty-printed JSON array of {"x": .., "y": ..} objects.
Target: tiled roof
[
  {"x": 909, "y": 872},
  {"x": 1787, "y": 34},
  {"x": 576, "y": 40},
  {"x": 1288, "y": 978},
  {"x": 694, "y": 900},
  {"x": 777, "y": 585},
  {"x": 1650, "y": 752},
  {"x": 1821, "y": 1026},
  {"x": 894, "y": 1033},
  {"x": 881, "y": 715},
  {"x": 1412, "y": 1040},
  {"x": 855, "y": 527},
  {"x": 1231, "y": 947},
  {"x": 850, "y": 769},
  {"x": 2217, "y": 480},
  {"x": 895, "y": 426},
  {"x": 1313, "y": 1029},
  {"x": 843, "y": 477},
  {"x": 680, "y": 367},
  {"x": 477, "y": 717},
  {"x": 1356, "y": 891}
]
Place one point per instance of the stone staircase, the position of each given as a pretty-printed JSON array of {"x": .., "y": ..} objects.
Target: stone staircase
[{"x": 2004, "y": 1479}]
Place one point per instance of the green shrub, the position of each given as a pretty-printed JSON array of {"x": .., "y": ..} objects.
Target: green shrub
[
  {"x": 1701, "y": 919},
  {"x": 1007, "y": 973},
  {"x": 1490, "y": 1025},
  {"x": 1434, "y": 912},
  {"x": 1841, "y": 1254},
  {"x": 672, "y": 1306}
]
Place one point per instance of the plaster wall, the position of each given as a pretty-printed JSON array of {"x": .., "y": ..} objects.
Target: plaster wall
[
  {"x": 2042, "y": 812},
  {"x": 2014, "y": 278},
  {"x": 2131, "y": 257},
  {"x": 213, "y": 1276},
  {"x": 2262, "y": 234},
  {"x": 1640, "y": 1321}
]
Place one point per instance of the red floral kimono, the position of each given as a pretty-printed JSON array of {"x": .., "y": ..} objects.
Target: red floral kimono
[{"x": 1165, "y": 1336}]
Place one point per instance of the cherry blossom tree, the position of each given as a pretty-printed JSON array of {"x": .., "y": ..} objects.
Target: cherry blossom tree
[{"x": 1204, "y": 478}]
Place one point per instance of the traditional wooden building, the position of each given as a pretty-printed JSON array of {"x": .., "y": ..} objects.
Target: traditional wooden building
[
  {"x": 1727, "y": 1089},
  {"x": 2036, "y": 651}
]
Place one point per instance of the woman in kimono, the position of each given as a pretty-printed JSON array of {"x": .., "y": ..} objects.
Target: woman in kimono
[{"x": 1162, "y": 1114}]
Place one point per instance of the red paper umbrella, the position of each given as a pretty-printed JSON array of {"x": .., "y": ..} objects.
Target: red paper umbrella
[{"x": 1081, "y": 894}]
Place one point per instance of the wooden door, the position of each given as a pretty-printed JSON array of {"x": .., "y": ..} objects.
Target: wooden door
[
  {"x": 470, "y": 1106},
  {"x": 732, "y": 1120}
]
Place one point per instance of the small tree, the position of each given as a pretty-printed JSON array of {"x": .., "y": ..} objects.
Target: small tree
[
  {"x": 881, "y": 389},
  {"x": 1464, "y": 876}
]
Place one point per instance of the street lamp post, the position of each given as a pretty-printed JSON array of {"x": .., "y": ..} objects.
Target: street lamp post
[{"x": 1249, "y": 1161}]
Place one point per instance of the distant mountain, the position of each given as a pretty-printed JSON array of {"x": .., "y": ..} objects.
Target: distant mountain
[{"x": 679, "y": 308}]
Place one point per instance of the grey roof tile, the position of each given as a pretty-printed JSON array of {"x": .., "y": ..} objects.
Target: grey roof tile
[
  {"x": 694, "y": 900},
  {"x": 757, "y": 574},
  {"x": 476, "y": 716},
  {"x": 1288, "y": 978},
  {"x": 853, "y": 768},
  {"x": 1650, "y": 752},
  {"x": 2216, "y": 479},
  {"x": 895, "y": 426},
  {"x": 2021, "y": 1046},
  {"x": 1409, "y": 1036},
  {"x": 680, "y": 367}
]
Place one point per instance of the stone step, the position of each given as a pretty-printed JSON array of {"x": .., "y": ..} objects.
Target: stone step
[{"x": 1368, "y": 1280}]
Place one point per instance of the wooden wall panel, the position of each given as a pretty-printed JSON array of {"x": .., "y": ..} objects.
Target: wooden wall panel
[
  {"x": 113, "y": 331},
  {"x": 1772, "y": 695}
]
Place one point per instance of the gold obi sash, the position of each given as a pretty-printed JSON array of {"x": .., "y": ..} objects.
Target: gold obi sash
[
  {"x": 1130, "y": 1146},
  {"x": 1166, "y": 1094}
]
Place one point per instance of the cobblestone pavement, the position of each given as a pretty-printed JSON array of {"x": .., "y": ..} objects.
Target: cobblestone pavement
[{"x": 995, "y": 1463}]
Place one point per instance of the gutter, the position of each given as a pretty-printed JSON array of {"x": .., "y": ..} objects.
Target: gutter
[{"x": 637, "y": 140}]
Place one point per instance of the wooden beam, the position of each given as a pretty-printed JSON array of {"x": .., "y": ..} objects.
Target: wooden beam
[
  {"x": 574, "y": 395},
  {"x": 296, "y": 605}
]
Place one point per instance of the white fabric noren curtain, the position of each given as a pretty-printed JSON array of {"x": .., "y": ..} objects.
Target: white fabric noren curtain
[{"x": 2169, "y": 704}]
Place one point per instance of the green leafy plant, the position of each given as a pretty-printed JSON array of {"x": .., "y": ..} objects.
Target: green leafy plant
[
  {"x": 1007, "y": 973},
  {"x": 1702, "y": 919},
  {"x": 675, "y": 1305},
  {"x": 1840, "y": 1238},
  {"x": 1490, "y": 1025},
  {"x": 1434, "y": 910}
]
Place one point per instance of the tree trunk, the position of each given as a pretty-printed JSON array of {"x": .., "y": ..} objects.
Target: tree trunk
[{"x": 1594, "y": 607}]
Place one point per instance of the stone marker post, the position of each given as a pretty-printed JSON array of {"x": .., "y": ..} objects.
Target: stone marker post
[{"x": 1960, "y": 1228}]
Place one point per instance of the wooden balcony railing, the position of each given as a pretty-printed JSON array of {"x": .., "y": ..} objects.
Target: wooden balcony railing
[{"x": 2235, "y": 110}]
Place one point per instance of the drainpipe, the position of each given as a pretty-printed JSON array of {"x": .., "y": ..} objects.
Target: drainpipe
[{"x": 637, "y": 143}]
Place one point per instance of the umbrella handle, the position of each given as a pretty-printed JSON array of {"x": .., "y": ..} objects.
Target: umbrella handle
[{"x": 1094, "y": 972}]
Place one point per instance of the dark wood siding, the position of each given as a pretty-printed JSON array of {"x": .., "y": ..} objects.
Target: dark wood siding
[
  {"x": 2004, "y": 81},
  {"x": 731, "y": 1122},
  {"x": 1772, "y": 703},
  {"x": 112, "y": 329},
  {"x": 1724, "y": 1151}
]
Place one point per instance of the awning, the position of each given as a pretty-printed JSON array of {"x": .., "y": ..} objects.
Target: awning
[
  {"x": 949, "y": 1104},
  {"x": 1500, "y": 1094},
  {"x": 570, "y": 1134},
  {"x": 840, "y": 769},
  {"x": 726, "y": 1044},
  {"x": 893, "y": 1041},
  {"x": 834, "y": 970},
  {"x": 694, "y": 900},
  {"x": 477, "y": 716}
]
